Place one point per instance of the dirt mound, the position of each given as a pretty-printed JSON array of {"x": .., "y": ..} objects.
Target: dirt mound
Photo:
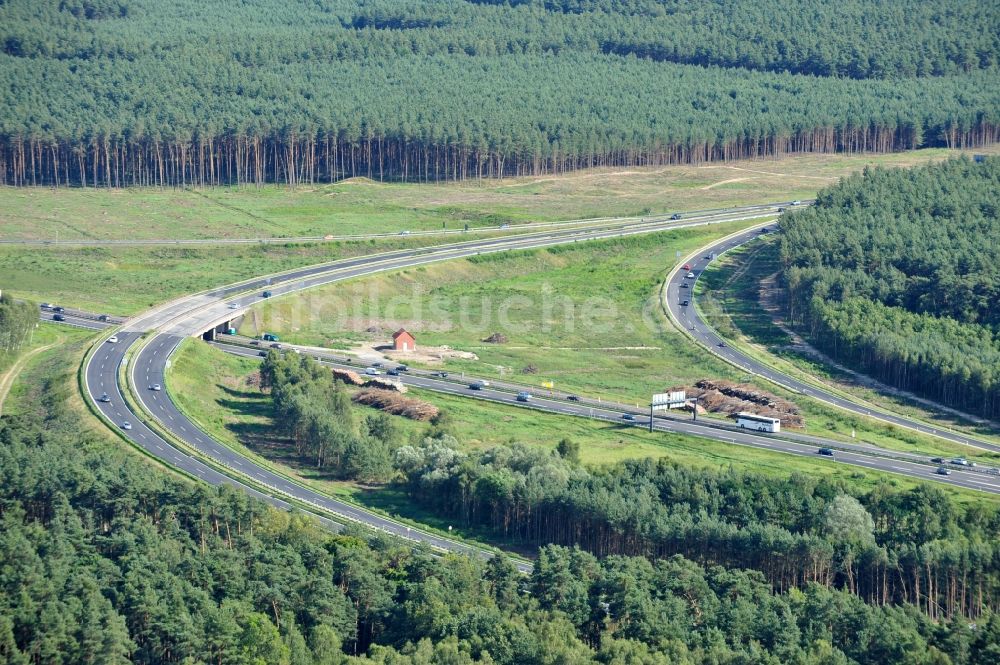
[
  {"x": 396, "y": 404},
  {"x": 387, "y": 384},
  {"x": 496, "y": 338},
  {"x": 732, "y": 398},
  {"x": 348, "y": 377}
]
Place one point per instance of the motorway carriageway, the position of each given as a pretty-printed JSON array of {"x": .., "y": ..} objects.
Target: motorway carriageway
[
  {"x": 689, "y": 319},
  {"x": 163, "y": 328},
  {"x": 602, "y": 222},
  {"x": 862, "y": 455}
]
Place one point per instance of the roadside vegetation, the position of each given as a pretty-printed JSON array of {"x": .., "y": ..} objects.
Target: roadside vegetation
[
  {"x": 897, "y": 272},
  {"x": 741, "y": 296},
  {"x": 363, "y": 206},
  {"x": 584, "y": 317},
  {"x": 129, "y": 280},
  {"x": 526, "y": 492},
  {"x": 235, "y": 411}
]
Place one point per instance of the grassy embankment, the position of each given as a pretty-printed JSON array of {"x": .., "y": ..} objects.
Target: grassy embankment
[
  {"x": 125, "y": 280},
  {"x": 585, "y": 317},
  {"x": 730, "y": 297},
  {"x": 363, "y": 206},
  {"x": 236, "y": 413}
]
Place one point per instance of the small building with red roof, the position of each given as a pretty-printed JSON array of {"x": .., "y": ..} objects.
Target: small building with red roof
[{"x": 403, "y": 341}]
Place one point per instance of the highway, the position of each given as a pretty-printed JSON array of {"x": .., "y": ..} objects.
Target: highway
[
  {"x": 161, "y": 330},
  {"x": 680, "y": 288},
  {"x": 603, "y": 222},
  {"x": 855, "y": 454},
  {"x": 77, "y": 318}
]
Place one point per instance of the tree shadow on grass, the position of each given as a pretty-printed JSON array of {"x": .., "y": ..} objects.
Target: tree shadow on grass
[{"x": 241, "y": 394}]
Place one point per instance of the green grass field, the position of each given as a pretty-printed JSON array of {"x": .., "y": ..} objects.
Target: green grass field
[
  {"x": 237, "y": 414},
  {"x": 128, "y": 280},
  {"x": 585, "y": 317},
  {"x": 364, "y": 206}
]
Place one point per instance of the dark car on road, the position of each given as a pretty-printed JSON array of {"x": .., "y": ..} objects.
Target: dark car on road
[
  {"x": 675, "y": 216},
  {"x": 573, "y": 398},
  {"x": 942, "y": 471},
  {"x": 58, "y": 317},
  {"x": 628, "y": 416},
  {"x": 685, "y": 303},
  {"x": 825, "y": 451}
]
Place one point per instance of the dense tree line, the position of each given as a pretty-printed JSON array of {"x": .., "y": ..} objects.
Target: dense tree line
[
  {"x": 886, "y": 547},
  {"x": 897, "y": 273},
  {"x": 17, "y": 320},
  {"x": 135, "y": 92},
  {"x": 105, "y": 559},
  {"x": 316, "y": 414}
]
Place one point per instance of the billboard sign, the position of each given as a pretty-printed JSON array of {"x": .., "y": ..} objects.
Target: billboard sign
[{"x": 670, "y": 400}]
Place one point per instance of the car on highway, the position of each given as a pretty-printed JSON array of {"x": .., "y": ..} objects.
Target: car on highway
[
  {"x": 404, "y": 233},
  {"x": 440, "y": 375},
  {"x": 126, "y": 425},
  {"x": 675, "y": 216},
  {"x": 267, "y": 294},
  {"x": 58, "y": 317},
  {"x": 993, "y": 470},
  {"x": 262, "y": 354},
  {"x": 690, "y": 275},
  {"x": 523, "y": 396},
  {"x": 270, "y": 337},
  {"x": 113, "y": 339},
  {"x": 825, "y": 451},
  {"x": 685, "y": 303},
  {"x": 103, "y": 317},
  {"x": 937, "y": 460},
  {"x": 961, "y": 461},
  {"x": 372, "y": 371},
  {"x": 402, "y": 368},
  {"x": 57, "y": 308},
  {"x": 796, "y": 202},
  {"x": 684, "y": 285},
  {"x": 943, "y": 471},
  {"x": 276, "y": 346},
  {"x": 628, "y": 416},
  {"x": 573, "y": 398},
  {"x": 234, "y": 305},
  {"x": 45, "y": 305},
  {"x": 781, "y": 210},
  {"x": 156, "y": 387},
  {"x": 476, "y": 385},
  {"x": 721, "y": 345},
  {"x": 393, "y": 372},
  {"x": 104, "y": 398},
  {"x": 377, "y": 363}
]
